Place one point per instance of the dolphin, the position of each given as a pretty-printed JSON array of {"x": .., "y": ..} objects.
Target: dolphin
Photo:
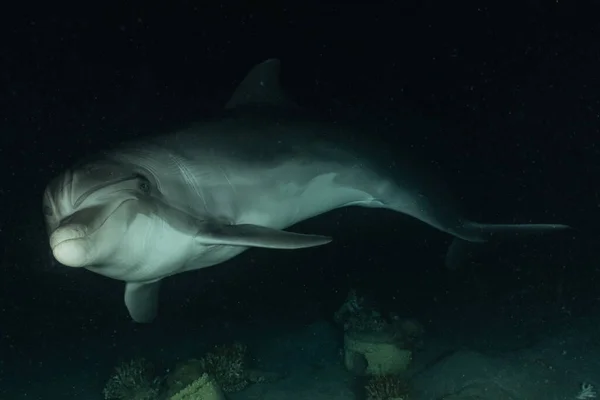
[{"x": 200, "y": 196}]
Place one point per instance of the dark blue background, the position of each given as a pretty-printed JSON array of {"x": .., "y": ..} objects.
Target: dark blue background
[{"x": 501, "y": 99}]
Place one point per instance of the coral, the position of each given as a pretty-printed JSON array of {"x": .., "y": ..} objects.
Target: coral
[
  {"x": 352, "y": 305},
  {"x": 227, "y": 364},
  {"x": 387, "y": 387},
  {"x": 381, "y": 354},
  {"x": 407, "y": 332},
  {"x": 356, "y": 315},
  {"x": 587, "y": 392},
  {"x": 366, "y": 321},
  {"x": 132, "y": 380},
  {"x": 203, "y": 388},
  {"x": 183, "y": 375}
]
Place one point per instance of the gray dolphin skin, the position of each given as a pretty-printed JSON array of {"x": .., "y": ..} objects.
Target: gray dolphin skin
[{"x": 201, "y": 196}]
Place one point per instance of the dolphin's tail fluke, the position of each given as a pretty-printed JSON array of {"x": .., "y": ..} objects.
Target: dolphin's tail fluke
[{"x": 465, "y": 244}]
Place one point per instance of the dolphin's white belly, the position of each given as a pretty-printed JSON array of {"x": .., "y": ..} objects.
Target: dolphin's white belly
[
  {"x": 151, "y": 249},
  {"x": 286, "y": 204},
  {"x": 281, "y": 206}
]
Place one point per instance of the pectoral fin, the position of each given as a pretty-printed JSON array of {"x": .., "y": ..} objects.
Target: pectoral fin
[
  {"x": 256, "y": 236},
  {"x": 141, "y": 299}
]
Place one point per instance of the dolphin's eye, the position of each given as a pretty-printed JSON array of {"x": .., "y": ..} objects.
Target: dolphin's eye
[
  {"x": 144, "y": 186},
  {"x": 47, "y": 210}
]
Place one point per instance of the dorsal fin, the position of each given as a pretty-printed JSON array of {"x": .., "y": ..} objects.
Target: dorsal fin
[{"x": 261, "y": 87}]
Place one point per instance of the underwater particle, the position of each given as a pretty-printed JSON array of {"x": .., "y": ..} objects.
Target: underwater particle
[
  {"x": 387, "y": 387},
  {"x": 132, "y": 380}
]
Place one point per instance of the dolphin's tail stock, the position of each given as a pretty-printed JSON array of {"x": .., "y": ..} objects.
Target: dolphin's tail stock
[{"x": 467, "y": 242}]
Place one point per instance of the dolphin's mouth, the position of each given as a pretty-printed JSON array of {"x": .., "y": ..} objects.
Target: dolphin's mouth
[
  {"x": 72, "y": 243},
  {"x": 69, "y": 245}
]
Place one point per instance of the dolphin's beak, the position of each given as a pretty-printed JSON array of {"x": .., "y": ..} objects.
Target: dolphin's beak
[
  {"x": 89, "y": 234},
  {"x": 70, "y": 245}
]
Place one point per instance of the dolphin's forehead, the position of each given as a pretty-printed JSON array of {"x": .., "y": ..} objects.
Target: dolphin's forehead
[
  {"x": 73, "y": 186},
  {"x": 58, "y": 189}
]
